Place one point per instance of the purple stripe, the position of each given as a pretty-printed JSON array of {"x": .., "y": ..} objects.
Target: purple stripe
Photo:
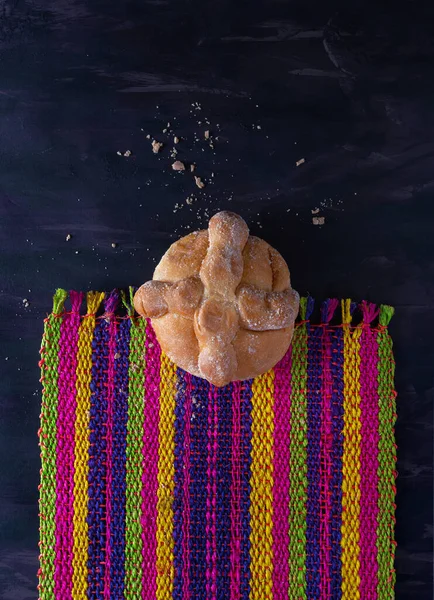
[
  {"x": 109, "y": 446},
  {"x": 325, "y": 465},
  {"x": 225, "y": 463},
  {"x": 186, "y": 492},
  {"x": 314, "y": 386},
  {"x": 211, "y": 488}
]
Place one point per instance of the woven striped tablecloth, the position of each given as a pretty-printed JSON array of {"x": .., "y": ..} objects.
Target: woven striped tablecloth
[{"x": 158, "y": 485}]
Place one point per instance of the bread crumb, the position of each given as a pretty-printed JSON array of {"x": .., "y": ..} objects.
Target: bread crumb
[
  {"x": 300, "y": 162},
  {"x": 156, "y": 146},
  {"x": 318, "y": 220},
  {"x": 189, "y": 200},
  {"x": 178, "y": 166},
  {"x": 176, "y": 140},
  {"x": 148, "y": 137},
  {"x": 127, "y": 153},
  {"x": 207, "y": 134},
  {"x": 200, "y": 184},
  {"x": 117, "y": 355},
  {"x": 26, "y": 303},
  {"x": 119, "y": 153},
  {"x": 192, "y": 168},
  {"x": 68, "y": 237},
  {"x": 315, "y": 211},
  {"x": 114, "y": 245}
]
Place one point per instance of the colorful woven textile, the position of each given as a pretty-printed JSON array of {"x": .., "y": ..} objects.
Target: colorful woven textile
[{"x": 157, "y": 485}]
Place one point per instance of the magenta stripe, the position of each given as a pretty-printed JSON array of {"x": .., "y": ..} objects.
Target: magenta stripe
[
  {"x": 109, "y": 446},
  {"x": 150, "y": 465},
  {"x": 235, "y": 573},
  {"x": 325, "y": 467},
  {"x": 67, "y": 405},
  {"x": 282, "y": 427},
  {"x": 186, "y": 493},
  {"x": 368, "y": 463},
  {"x": 211, "y": 498}
]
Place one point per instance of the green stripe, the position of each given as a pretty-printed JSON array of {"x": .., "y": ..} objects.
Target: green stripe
[
  {"x": 133, "y": 529},
  {"x": 47, "y": 439},
  {"x": 386, "y": 460},
  {"x": 298, "y": 462}
]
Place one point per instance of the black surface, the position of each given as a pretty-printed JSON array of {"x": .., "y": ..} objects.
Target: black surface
[{"x": 348, "y": 89}]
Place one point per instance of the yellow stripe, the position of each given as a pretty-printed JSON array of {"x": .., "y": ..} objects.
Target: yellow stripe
[
  {"x": 84, "y": 375},
  {"x": 261, "y": 482},
  {"x": 351, "y": 464},
  {"x": 166, "y": 471}
]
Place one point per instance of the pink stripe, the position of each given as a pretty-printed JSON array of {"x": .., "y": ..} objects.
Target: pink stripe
[
  {"x": 368, "y": 463},
  {"x": 325, "y": 467},
  {"x": 211, "y": 498},
  {"x": 235, "y": 574},
  {"x": 67, "y": 405},
  {"x": 282, "y": 429},
  {"x": 109, "y": 446},
  {"x": 150, "y": 465},
  {"x": 186, "y": 494}
]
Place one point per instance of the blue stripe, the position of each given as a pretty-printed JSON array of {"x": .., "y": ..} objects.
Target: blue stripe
[
  {"x": 198, "y": 483},
  {"x": 223, "y": 505},
  {"x": 337, "y": 368},
  {"x": 97, "y": 462},
  {"x": 119, "y": 457},
  {"x": 178, "y": 498},
  {"x": 246, "y": 461},
  {"x": 314, "y": 395}
]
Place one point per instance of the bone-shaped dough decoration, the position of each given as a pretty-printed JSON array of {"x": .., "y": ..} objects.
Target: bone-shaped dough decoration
[{"x": 221, "y": 302}]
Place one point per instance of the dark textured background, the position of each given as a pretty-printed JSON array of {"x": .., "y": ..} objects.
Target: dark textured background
[{"x": 351, "y": 90}]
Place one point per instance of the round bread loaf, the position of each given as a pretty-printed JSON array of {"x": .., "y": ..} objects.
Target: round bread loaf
[{"x": 221, "y": 302}]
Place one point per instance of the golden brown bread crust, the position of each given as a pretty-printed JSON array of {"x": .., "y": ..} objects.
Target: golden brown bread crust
[{"x": 221, "y": 302}]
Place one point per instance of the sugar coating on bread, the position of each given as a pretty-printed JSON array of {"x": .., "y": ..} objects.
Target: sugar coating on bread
[{"x": 221, "y": 302}]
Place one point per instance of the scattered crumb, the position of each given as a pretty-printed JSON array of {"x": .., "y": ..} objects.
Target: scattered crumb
[
  {"x": 127, "y": 153},
  {"x": 119, "y": 153},
  {"x": 114, "y": 245},
  {"x": 318, "y": 220},
  {"x": 156, "y": 146},
  {"x": 315, "y": 211},
  {"x": 117, "y": 355},
  {"x": 164, "y": 130},
  {"x": 200, "y": 184},
  {"x": 258, "y": 127},
  {"x": 68, "y": 237},
  {"x": 168, "y": 125},
  {"x": 26, "y": 303},
  {"x": 300, "y": 162},
  {"x": 176, "y": 140},
  {"x": 178, "y": 166},
  {"x": 148, "y": 137},
  {"x": 189, "y": 200},
  {"x": 77, "y": 252},
  {"x": 173, "y": 153},
  {"x": 192, "y": 168},
  {"x": 211, "y": 145},
  {"x": 207, "y": 134}
]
